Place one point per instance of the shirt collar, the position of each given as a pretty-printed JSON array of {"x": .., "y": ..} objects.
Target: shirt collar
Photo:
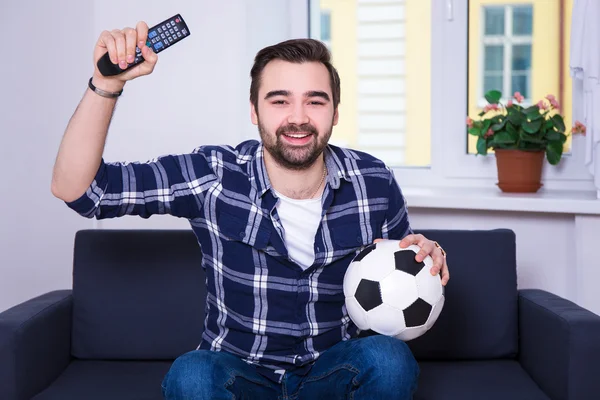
[{"x": 259, "y": 179}]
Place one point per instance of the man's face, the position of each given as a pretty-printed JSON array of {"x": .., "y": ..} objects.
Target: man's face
[{"x": 295, "y": 115}]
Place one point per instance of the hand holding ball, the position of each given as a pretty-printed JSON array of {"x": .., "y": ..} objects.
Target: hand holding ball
[{"x": 391, "y": 293}]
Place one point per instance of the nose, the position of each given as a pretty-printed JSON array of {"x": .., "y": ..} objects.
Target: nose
[{"x": 298, "y": 115}]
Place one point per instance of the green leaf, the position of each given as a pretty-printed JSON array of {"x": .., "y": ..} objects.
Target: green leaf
[
  {"x": 553, "y": 135},
  {"x": 511, "y": 129},
  {"x": 486, "y": 126},
  {"x": 497, "y": 126},
  {"x": 531, "y": 109},
  {"x": 503, "y": 138},
  {"x": 493, "y": 96},
  {"x": 474, "y": 131},
  {"x": 481, "y": 146},
  {"x": 559, "y": 123},
  {"x": 516, "y": 118},
  {"x": 533, "y": 126},
  {"x": 554, "y": 152},
  {"x": 534, "y": 115}
]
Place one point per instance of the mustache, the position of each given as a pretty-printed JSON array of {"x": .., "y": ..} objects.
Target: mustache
[{"x": 297, "y": 128}]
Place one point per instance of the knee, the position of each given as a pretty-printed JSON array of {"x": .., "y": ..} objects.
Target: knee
[
  {"x": 192, "y": 375},
  {"x": 389, "y": 359}
]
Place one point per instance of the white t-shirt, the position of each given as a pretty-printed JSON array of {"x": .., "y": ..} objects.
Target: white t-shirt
[{"x": 300, "y": 220}]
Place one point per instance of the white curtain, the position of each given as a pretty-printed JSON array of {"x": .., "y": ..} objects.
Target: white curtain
[{"x": 585, "y": 71}]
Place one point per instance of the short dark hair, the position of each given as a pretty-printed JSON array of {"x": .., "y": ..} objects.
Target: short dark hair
[{"x": 296, "y": 51}]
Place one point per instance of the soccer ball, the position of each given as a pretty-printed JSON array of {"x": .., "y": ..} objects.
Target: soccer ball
[{"x": 389, "y": 292}]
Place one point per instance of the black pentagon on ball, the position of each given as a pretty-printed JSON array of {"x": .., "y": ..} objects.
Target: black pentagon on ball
[
  {"x": 364, "y": 252},
  {"x": 368, "y": 294},
  {"x": 417, "y": 313},
  {"x": 405, "y": 262}
]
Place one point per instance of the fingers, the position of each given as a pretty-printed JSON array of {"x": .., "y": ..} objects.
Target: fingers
[
  {"x": 130, "y": 43},
  {"x": 417, "y": 239},
  {"x": 142, "y": 34},
  {"x": 445, "y": 273},
  {"x": 120, "y": 44},
  {"x": 108, "y": 41}
]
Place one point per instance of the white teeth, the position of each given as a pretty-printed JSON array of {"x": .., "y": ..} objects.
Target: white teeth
[{"x": 296, "y": 136}]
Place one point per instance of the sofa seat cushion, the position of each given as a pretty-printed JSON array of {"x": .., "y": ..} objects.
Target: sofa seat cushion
[
  {"x": 476, "y": 380},
  {"x": 115, "y": 380}
]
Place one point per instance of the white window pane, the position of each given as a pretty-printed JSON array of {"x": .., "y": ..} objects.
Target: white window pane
[
  {"x": 381, "y": 50},
  {"x": 494, "y": 20},
  {"x": 494, "y": 58},
  {"x": 522, "y": 20}
]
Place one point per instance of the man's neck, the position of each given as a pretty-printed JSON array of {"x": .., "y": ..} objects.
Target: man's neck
[{"x": 297, "y": 184}]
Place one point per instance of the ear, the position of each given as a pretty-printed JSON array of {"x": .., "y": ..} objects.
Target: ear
[
  {"x": 336, "y": 116},
  {"x": 253, "y": 114}
]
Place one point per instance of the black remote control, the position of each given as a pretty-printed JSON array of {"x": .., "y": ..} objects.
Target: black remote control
[{"x": 160, "y": 37}]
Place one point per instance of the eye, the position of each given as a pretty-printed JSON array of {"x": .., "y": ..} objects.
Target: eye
[
  {"x": 279, "y": 102},
  {"x": 317, "y": 103}
]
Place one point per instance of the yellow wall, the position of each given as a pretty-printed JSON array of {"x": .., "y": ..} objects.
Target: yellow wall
[
  {"x": 418, "y": 83},
  {"x": 343, "y": 45}
]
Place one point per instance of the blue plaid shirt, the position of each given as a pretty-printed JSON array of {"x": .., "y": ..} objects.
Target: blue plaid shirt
[{"x": 261, "y": 305}]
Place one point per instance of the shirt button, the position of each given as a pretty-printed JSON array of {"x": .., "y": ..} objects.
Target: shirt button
[
  {"x": 359, "y": 239},
  {"x": 242, "y": 235}
]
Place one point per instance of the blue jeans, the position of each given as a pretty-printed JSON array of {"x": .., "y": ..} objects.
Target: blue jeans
[{"x": 373, "y": 367}]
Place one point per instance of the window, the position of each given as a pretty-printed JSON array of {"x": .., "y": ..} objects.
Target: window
[
  {"x": 381, "y": 50},
  {"x": 518, "y": 47},
  {"x": 506, "y": 46},
  {"x": 412, "y": 71}
]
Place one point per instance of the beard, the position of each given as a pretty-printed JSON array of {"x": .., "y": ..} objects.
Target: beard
[{"x": 294, "y": 157}]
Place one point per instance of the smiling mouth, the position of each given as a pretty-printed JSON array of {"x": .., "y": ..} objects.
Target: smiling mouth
[{"x": 297, "y": 135}]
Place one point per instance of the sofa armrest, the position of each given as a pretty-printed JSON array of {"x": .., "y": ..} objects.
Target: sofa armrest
[
  {"x": 35, "y": 344},
  {"x": 559, "y": 345}
]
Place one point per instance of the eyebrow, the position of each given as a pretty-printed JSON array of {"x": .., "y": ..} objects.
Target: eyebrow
[{"x": 310, "y": 93}]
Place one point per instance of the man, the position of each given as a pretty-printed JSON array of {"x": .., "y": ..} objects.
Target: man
[{"x": 278, "y": 221}]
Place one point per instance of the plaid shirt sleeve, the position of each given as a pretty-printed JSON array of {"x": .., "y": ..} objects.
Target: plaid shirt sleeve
[
  {"x": 172, "y": 184},
  {"x": 396, "y": 224}
]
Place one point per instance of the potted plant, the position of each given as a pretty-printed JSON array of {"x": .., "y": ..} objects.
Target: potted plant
[{"x": 520, "y": 137}]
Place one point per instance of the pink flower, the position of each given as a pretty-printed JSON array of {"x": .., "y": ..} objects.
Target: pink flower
[
  {"x": 518, "y": 97},
  {"x": 579, "y": 128},
  {"x": 509, "y": 103},
  {"x": 490, "y": 107},
  {"x": 551, "y": 98},
  {"x": 489, "y": 133},
  {"x": 469, "y": 122},
  {"x": 554, "y": 104},
  {"x": 541, "y": 105}
]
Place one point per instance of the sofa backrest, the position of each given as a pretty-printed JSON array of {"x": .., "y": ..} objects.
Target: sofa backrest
[
  {"x": 140, "y": 294},
  {"x": 480, "y": 315},
  {"x": 137, "y": 294}
]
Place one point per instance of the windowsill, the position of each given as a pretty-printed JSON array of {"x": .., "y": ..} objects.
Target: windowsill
[{"x": 466, "y": 198}]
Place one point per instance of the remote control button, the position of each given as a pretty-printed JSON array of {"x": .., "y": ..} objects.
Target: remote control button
[
  {"x": 152, "y": 34},
  {"x": 158, "y": 45}
]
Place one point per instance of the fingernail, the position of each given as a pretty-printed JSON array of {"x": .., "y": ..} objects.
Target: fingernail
[
  {"x": 130, "y": 58},
  {"x": 140, "y": 44},
  {"x": 122, "y": 64}
]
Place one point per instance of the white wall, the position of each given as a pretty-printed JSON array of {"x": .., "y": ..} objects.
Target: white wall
[{"x": 197, "y": 94}]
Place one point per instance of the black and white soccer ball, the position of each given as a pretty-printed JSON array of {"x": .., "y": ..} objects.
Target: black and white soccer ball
[{"x": 389, "y": 292}]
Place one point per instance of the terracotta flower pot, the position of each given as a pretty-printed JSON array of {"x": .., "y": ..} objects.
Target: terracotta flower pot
[{"x": 519, "y": 171}]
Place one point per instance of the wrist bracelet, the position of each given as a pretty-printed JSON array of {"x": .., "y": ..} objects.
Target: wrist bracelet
[{"x": 104, "y": 93}]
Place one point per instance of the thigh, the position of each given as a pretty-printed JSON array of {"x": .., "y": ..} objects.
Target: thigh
[
  {"x": 371, "y": 367},
  {"x": 205, "y": 374}
]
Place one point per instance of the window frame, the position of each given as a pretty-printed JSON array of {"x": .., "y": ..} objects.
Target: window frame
[{"x": 451, "y": 165}]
